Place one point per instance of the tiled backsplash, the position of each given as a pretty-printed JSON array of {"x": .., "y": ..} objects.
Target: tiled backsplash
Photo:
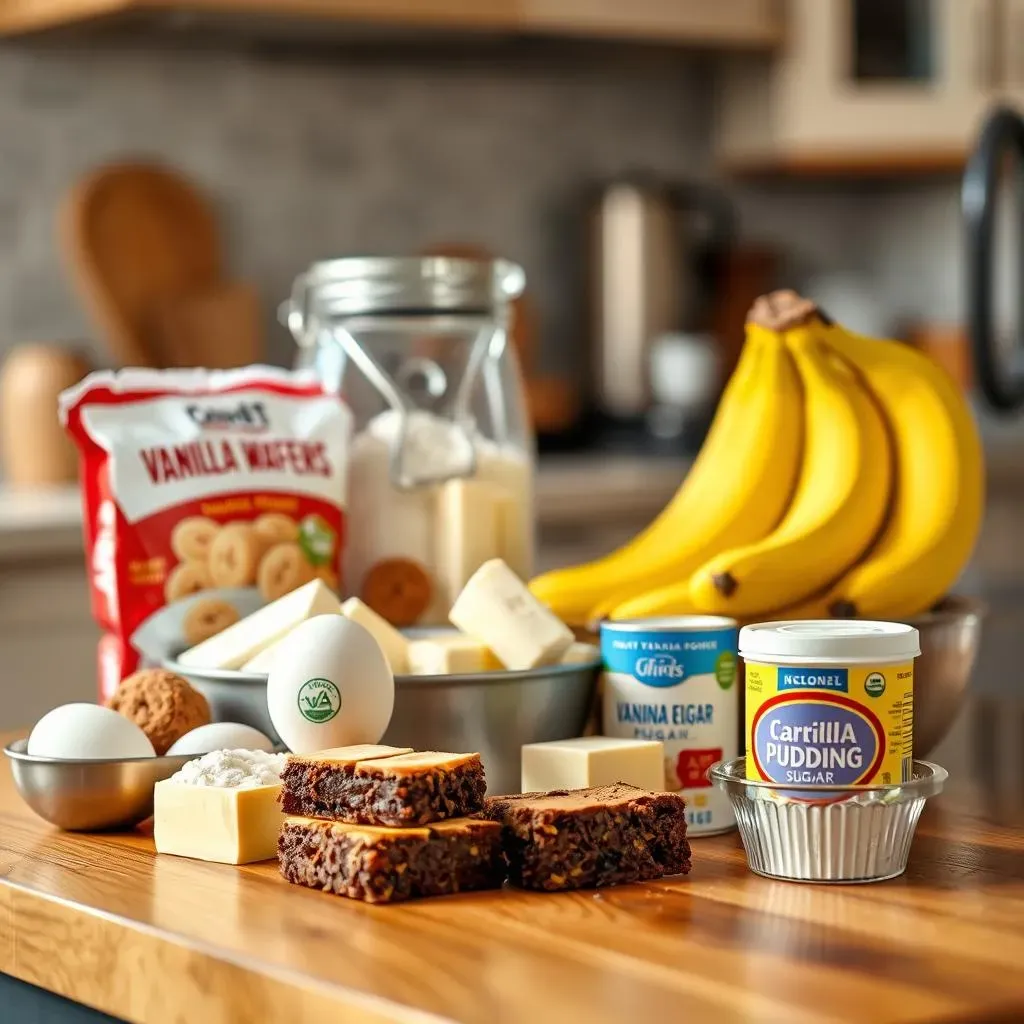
[{"x": 310, "y": 158}]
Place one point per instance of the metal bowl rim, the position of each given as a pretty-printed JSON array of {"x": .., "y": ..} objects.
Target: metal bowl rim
[
  {"x": 732, "y": 773},
  {"x": 955, "y": 608},
  {"x": 16, "y": 751},
  {"x": 234, "y": 676}
]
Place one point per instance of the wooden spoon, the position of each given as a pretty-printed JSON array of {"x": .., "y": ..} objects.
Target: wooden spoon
[
  {"x": 219, "y": 327},
  {"x": 136, "y": 237}
]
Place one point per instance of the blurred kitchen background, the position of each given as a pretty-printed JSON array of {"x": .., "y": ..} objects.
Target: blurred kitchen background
[{"x": 653, "y": 165}]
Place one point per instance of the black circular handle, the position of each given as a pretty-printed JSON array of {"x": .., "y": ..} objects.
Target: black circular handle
[{"x": 1003, "y": 132}]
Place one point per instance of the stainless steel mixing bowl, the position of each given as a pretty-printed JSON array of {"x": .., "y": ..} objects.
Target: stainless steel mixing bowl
[
  {"x": 493, "y": 713},
  {"x": 950, "y": 637},
  {"x": 89, "y": 796}
]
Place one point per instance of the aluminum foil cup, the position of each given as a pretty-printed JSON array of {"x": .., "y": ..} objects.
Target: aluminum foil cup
[{"x": 836, "y": 835}]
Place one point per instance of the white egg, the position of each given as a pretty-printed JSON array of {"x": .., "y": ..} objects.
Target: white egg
[
  {"x": 329, "y": 686},
  {"x": 87, "y": 732},
  {"x": 220, "y": 736}
]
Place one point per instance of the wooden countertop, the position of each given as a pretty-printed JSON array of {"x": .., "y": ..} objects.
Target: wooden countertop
[{"x": 156, "y": 939}]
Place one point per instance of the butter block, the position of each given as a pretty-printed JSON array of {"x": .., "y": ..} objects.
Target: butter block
[
  {"x": 593, "y": 761},
  {"x": 469, "y": 520},
  {"x": 390, "y": 641},
  {"x": 516, "y": 538},
  {"x": 496, "y": 608},
  {"x": 239, "y": 644},
  {"x": 448, "y": 655},
  {"x": 261, "y": 664},
  {"x": 580, "y": 653},
  {"x": 228, "y": 826}
]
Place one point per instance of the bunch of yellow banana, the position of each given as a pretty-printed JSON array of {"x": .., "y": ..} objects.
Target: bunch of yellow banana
[{"x": 842, "y": 476}]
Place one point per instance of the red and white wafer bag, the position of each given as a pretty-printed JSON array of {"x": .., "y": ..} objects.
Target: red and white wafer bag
[{"x": 206, "y": 494}]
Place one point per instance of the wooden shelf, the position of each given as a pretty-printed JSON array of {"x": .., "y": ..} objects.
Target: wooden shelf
[
  {"x": 734, "y": 24},
  {"x": 849, "y": 165}
]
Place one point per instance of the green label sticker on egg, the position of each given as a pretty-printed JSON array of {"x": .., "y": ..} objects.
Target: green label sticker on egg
[{"x": 319, "y": 700}]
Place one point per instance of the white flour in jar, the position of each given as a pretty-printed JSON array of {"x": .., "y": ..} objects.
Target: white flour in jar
[{"x": 385, "y": 522}]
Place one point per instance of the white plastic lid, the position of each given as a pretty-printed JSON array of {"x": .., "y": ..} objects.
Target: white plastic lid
[{"x": 834, "y": 639}]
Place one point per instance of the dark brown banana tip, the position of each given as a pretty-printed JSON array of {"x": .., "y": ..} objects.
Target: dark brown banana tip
[
  {"x": 781, "y": 310},
  {"x": 843, "y": 610},
  {"x": 725, "y": 583}
]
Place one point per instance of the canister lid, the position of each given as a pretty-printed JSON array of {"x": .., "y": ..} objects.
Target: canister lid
[
  {"x": 354, "y": 286},
  {"x": 834, "y": 639}
]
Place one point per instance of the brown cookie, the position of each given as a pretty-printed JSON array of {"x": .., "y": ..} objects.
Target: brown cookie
[
  {"x": 192, "y": 537},
  {"x": 399, "y": 589},
  {"x": 234, "y": 555},
  {"x": 207, "y": 617},
  {"x": 185, "y": 579},
  {"x": 282, "y": 569},
  {"x": 162, "y": 704},
  {"x": 275, "y": 528}
]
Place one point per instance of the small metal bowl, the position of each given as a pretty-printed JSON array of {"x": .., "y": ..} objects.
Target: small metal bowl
[
  {"x": 90, "y": 796},
  {"x": 493, "y": 713},
  {"x": 825, "y": 833}
]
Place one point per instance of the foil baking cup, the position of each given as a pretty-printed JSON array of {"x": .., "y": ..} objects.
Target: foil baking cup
[{"x": 827, "y": 834}]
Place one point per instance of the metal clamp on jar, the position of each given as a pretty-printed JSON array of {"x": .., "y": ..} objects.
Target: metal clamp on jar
[{"x": 441, "y": 467}]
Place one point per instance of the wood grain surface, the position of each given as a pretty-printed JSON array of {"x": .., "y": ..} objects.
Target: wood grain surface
[
  {"x": 741, "y": 24},
  {"x": 156, "y": 939}
]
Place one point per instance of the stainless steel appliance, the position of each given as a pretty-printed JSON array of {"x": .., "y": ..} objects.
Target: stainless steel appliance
[
  {"x": 994, "y": 175},
  {"x": 654, "y": 250}
]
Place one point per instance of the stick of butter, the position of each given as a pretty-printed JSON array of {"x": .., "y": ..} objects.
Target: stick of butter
[
  {"x": 228, "y": 826},
  {"x": 240, "y": 643},
  {"x": 449, "y": 655},
  {"x": 469, "y": 529},
  {"x": 261, "y": 664},
  {"x": 578, "y": 653},
  {"x": 496, "y": 608},
  {"x": 592, "y": 761},
  {"x": 390, "y": 641}
]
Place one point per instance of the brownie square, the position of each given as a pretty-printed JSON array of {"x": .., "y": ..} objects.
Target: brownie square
[
  {"x": 584, "y": 838},
  {"x": 399, "y": 789},
  {"x": 384, "y": 865}
]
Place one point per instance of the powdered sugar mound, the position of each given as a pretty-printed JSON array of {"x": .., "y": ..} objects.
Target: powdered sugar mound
[{"x": 232, "y": 769}]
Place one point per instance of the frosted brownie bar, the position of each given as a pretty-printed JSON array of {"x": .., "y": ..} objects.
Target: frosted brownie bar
[
  {"x": 582, "y": 838},
  {"x": 399, "y": 788},
  {"x": 383, "y": 865}
]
